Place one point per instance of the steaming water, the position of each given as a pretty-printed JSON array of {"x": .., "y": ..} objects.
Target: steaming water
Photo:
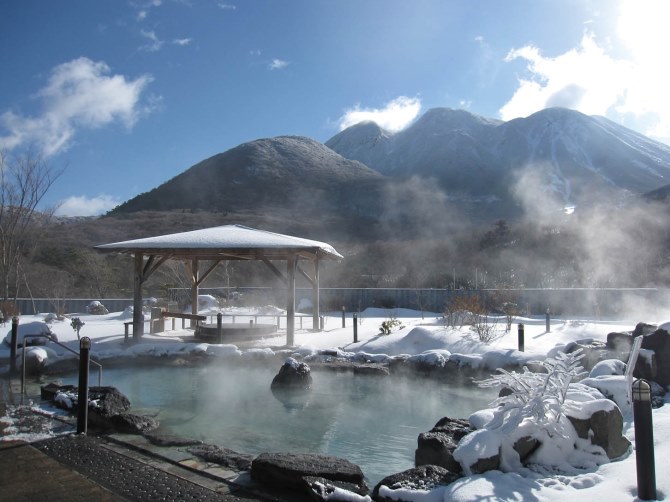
[{"x": 371, "y": 421}]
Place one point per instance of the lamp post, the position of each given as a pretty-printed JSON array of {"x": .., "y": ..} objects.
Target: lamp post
[
  {"x": 82, "y": 400},
  {"x": 644, "y": 441}
]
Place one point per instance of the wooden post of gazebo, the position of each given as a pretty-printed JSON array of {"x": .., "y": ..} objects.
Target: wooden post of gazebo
[
  {"x": 138, "y": 314},
  {"x": 195, "y": 282},
  {"x": 315, "y": 296},
  {"x": 290, "y": 308}
]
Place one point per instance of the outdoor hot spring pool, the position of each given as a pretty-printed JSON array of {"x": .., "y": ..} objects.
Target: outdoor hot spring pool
[{"x": 372, "y": 421}]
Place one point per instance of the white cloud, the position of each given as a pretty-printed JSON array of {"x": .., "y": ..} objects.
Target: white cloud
[
  {"x": 394, "y": 116},
  {"x": 80, "y": 94},
  {"x": 83, "y": 206},
  {"x": 154, "y": 44},
  {"x": 227, "y": 6},
  {"x": 584, "y": 79},
  {"x": 277, "y": 64},
  {"x": 590, "y": 79},
  {"x": 182, "y": 41}
]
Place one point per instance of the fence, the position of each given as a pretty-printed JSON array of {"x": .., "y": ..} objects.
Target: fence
[{"x": 565, "y": 301}]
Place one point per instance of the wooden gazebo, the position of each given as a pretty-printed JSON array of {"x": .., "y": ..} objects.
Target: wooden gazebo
[{"x": 217, "y": 244}]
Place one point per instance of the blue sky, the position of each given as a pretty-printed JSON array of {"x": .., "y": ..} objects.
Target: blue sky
[{"x": 127, "y": 94}]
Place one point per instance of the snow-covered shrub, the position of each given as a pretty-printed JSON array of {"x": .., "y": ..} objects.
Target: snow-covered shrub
[
  {"x": 538, "y": 396},
  {"x": 535, "y": 408},
  {"x": 96, "y": 308},
  {"x": 51, "y": 317}
]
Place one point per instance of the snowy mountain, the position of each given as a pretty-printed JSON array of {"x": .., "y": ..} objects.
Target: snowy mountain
[
  {"x": 366, "y": 182},
  {"x": 282, "y": 179},
  {"x": 577, "y": 157}
]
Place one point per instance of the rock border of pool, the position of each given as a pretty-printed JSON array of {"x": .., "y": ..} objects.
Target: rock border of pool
[{"x": 433, "y": 367}]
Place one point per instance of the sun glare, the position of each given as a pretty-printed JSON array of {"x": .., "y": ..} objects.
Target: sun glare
[{"x": 643, "y": 27}]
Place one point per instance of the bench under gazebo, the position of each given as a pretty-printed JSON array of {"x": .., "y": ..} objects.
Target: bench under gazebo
[{"x": 228, "y": 242}]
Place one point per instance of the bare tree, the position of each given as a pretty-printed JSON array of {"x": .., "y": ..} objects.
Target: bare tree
[{"x": 24, "y": 181}]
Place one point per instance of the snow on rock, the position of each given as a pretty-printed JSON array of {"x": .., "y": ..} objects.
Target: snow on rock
[
  {"x": 480, "y": 418},
  {"x": 494, "y": 359},
  {"x": 480, "y": 444},
  {"x": 258, "y": 354},
  {"x": 437, "y": 357},
  {"x": 608, "y": 367},
  {"x": 226, "y": 350},
  {"x": 32, "y": 328},
  {"x": 613, "y": 387},
  {"x": 471, "y": 360}
]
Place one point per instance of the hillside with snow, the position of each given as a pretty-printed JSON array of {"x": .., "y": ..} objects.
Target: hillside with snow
[{"x": 574, "y": 158}]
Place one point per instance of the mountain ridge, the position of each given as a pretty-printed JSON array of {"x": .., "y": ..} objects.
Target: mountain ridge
[{"x": 578, "y": 154}]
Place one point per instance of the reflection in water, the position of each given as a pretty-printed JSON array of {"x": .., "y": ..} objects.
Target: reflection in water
[
  {"x": 294, "y": 400},
  {"x": 371, "y": 421}
]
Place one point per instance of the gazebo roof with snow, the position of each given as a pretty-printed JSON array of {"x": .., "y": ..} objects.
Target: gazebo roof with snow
[
  {"x": 217, "y": 244},
  {"x": 227, "y": 242}
]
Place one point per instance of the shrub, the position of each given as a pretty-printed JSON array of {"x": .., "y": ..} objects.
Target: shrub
[
  {"x": 388, "y": 325},
  {"x": 539, "y": 396}
]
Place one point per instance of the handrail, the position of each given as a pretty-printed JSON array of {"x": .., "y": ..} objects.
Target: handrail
[
  {"x": 630, "y": 367},
  {"x": 50, "y": 338}
]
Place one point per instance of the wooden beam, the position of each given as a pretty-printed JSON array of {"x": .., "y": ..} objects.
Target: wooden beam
[
  {"x": 209, "y": 271},
  {"x": 305, "y": 275},
  {"x": 275, "y": 270},
  {"x": 150, "y": 267}
]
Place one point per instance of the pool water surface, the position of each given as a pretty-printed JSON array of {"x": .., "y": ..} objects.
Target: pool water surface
[{"x": 372, "y": 421}]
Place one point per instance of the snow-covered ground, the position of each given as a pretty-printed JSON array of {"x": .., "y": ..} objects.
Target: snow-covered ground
[{"x": 422, "y": 336}]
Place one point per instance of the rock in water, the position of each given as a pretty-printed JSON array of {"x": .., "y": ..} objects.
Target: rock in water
[{"x": 292, "y": 376}]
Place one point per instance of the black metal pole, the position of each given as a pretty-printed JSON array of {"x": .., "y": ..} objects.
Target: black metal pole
[
  {"x": 548, "y": 321},
  {"x": 82, "y": 401},
  {"x": 644, "y": 441},
  {"x": 343, "y": 317},
  {"x": 219, "y": 326},
  {"x": 13, "y": 368},
  {"x": 355, "y": 328},
  {"x": 521, "y": 337}
]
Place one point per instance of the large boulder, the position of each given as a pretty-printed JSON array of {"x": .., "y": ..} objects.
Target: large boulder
[
  {"x": 437, "y": 446},
  {"x": 603, "y": 428},
  {"x": 425, "y": 478},
  {"x": 128, "y": 423},
  {"x": 593, "y": 351},
  {"x": 659, "y": 342},
  {"x": 32, "y": 328},
  {"x": 620, "y": 343},
  {"x": 293, "y": 375},
  {"x": 222, "y": 456},
  {"x": 107, "y": 408},
  {"x": 107, "y": 401},
  {"x": 287, "y": 470},
  {"x": 643, "y": 329}
]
